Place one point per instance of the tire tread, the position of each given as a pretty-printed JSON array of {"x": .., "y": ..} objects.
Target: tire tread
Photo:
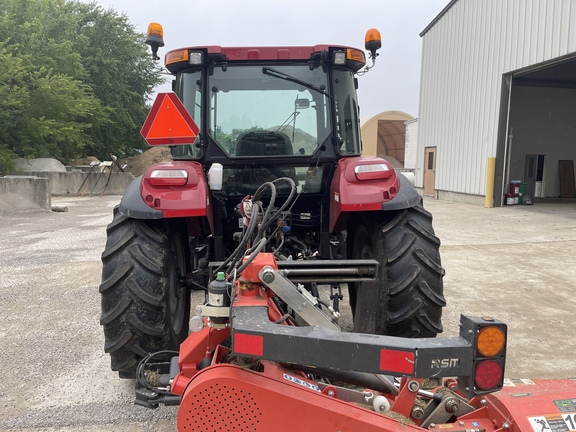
[
  {"x": 134, "y": 292},
  {"x": 411, "y": 294}
]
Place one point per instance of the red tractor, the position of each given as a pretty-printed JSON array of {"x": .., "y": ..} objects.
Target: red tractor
[
  {"x": 267, "y": 199},
  {"x": 278, "y": 124}
]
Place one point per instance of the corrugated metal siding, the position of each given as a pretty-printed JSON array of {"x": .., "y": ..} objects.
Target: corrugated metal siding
[
  {"x": 411, "y": 151},
  {"x": 464, "y": 56}
]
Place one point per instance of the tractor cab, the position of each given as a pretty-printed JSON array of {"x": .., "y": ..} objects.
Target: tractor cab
[
  {"x": 262, "y": 114},
  {"x": 269, "y": 112}
]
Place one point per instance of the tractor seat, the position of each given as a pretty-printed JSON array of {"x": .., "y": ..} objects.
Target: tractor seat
[{"x": 263, "y": 143}]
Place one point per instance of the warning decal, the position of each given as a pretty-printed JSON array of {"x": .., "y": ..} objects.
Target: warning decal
[
  {"x": 566, "y": 404},
  {"x": 554, "y": 422},
  {"x": 517, "y": 382}
]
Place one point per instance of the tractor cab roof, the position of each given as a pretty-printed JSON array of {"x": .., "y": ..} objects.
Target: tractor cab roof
[
  {"x": 266, "y": 52},
  {"x": 182, "y": 58}
]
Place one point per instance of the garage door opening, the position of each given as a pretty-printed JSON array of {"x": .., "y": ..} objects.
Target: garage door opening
[{"x": 538, "y": 129}]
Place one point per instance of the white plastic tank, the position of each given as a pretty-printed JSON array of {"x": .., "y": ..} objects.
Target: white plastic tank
[{"x": 215, "y": 175}]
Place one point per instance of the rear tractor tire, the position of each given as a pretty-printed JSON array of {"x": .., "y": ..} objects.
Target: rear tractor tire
[
  {"x": 145, "y": 305},
  {"x": 409, "y": 298}
]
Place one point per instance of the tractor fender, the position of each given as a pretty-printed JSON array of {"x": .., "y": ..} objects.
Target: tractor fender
[
  {"x": 133, "y": 206},
  {"x": 154, "y": 196},
  {"x": 406, "y": 197},
  {"x": 379, "y": 187}
]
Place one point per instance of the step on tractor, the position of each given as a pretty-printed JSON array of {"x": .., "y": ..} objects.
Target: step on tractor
[{"x": 270, "y": 210}]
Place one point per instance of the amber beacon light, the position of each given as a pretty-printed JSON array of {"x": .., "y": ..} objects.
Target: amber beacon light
[
  {"x": 155, "y": 38},
  {"x": 373, "y": 42}
]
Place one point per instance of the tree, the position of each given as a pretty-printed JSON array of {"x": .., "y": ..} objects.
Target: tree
[
  {"x": 122, "y": 75},
  {"x": 75, "y": 80},
  {"x": 14, "y": 99}
]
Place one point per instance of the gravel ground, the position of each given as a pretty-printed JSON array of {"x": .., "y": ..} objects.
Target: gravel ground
[
  {"x": 518, "y": 264},
  {"x": 52, "y": 344}
]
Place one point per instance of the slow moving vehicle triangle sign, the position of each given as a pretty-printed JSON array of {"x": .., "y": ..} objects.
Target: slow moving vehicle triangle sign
[{"x": 169, "y": 122}]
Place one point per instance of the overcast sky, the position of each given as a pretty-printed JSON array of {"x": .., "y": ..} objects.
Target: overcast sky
[{"x": 394, "y": 82}]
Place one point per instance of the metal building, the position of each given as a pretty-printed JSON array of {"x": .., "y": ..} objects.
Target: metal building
[{"x": 498, "y": 100}]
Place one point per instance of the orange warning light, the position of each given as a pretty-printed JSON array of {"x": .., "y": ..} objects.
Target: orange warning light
[{"x": 169, "y": 122}]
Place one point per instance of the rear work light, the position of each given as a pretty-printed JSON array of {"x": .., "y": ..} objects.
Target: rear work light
[
  {"x": 372, "y": 172},
  {"x": 195, "y": 58},
  {"x": 184, "y": 56},
  {"x": 352, "y": 57},
  {"x": 175, "y": 177},
  {"x": 486, "y": 371},
  {"x": 339, "y": 57}
]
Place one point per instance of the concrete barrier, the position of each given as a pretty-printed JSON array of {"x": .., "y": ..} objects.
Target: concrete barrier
[
  {"x": 25, "y": 192},
  {"x": 85, "y": 183}
]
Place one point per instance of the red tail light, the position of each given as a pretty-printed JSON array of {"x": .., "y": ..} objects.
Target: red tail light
[{"x": 488, "y": 375}]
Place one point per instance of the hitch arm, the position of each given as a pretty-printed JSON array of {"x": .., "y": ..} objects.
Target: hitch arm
[{"x": 255, "y": 336}]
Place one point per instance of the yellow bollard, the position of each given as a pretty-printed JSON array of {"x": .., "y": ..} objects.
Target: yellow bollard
[{"x": 489, "y": 199}]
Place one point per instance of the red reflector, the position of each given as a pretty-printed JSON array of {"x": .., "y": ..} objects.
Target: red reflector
[
  {"x": 248, "y": 344},
  {"x": 397, "y": 361},
  {"x": 488, "y": 375},
  {"x": 167, "y": 181}
]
